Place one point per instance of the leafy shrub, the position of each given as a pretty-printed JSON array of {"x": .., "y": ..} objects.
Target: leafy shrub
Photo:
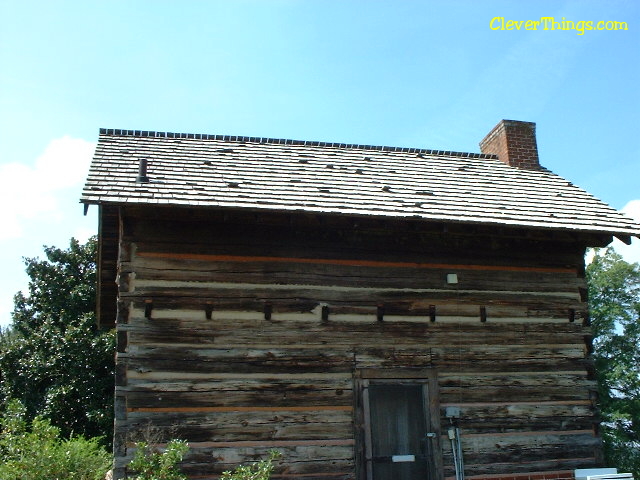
[
  {"x": 257, "y": 471},
  {"x": 152, "y": 464},
  {"x": 36, "y": 451}
]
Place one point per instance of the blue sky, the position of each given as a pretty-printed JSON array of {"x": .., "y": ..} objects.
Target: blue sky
[{"x": 428, "y": 73}]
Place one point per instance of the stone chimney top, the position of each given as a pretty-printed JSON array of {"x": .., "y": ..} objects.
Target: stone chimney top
[{"x": 514, "y": 143}]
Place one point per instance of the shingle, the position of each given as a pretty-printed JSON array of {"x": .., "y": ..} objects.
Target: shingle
[{"x": 221, "y": 171}]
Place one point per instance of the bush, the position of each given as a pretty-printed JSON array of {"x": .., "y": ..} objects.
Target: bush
[
  {"x": 257, "y": 471},
  {"x": 151, "y": 464},
  {"x": 36, "y": 451}
]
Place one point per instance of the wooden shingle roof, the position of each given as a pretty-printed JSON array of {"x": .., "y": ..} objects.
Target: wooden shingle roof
[{"x": 218, "y": 171}]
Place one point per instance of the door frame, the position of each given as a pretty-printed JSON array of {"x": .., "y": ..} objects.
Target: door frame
[{"x": 363, "y": 377}]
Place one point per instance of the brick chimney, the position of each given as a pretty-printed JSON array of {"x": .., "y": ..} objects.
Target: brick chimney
[{"x": 514, "y": 143}]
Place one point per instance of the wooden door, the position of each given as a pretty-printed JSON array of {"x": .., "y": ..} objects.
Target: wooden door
[{"x": 399, "y": 438}]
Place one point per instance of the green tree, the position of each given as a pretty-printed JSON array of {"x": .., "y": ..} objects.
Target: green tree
[
  {"x": 54, "y": 359},
  {"x": 614, "y": 301}
]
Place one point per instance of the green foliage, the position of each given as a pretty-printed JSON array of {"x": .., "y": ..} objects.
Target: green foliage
[
  {"x": 36, "y": 451},
  {"x": 614, "y": 302},
  {"x": 61, "y": 288},
  {"x": 256, "y": 471},
  {"x": 54, "y": 359},
  {"x": 151, "y": 464}
]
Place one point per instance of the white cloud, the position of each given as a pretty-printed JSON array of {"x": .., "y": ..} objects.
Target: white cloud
[
  {"x": 631, "y": 253},
  {"x": 32, "y": 192},
  {"x": 632, "y": 209}
]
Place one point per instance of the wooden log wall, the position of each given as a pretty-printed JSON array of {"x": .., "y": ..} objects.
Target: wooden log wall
[
  {"x": 107, "y": 266},
  {"x": 243, "y": 333}
]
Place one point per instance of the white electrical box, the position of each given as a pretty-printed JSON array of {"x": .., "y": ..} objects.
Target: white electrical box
[
  {"x": 584, "y": 473},
  {"x": 452, "y": 278},
  {"x": 452, "y": 412}
]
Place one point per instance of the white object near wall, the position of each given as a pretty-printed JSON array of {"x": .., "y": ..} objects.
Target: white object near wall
[{"x": 403, "y": 458}]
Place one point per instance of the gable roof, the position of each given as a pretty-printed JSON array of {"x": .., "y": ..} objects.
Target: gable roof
[{"x": 218, "y": 171}]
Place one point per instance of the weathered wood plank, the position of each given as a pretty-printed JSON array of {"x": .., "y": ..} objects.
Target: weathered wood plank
[
  {"x": 398, "y": 300},
  {"x": 292, "y": 359},
  {"x": 525, "y": 467},
  {"x": 192, "y": 324},
  {"x": 246, "y": 425},
  {"x": 163, "y": 266},
  {"x": 542, "y": 388},
  {"x": 539, "y": 416},
  {"x": 281, "y": 397},
  {"x": 263, "y": 432},
  {"x": 451, "y": 381},
  {"x": 246, "y": 416},
  {"x": 371, "y": 277},
  {"x": 517, "y": 453},
  {"x": 239, "y": 408},
  {"x": 235, "y": 385}
]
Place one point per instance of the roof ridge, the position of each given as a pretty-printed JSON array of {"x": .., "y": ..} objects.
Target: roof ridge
[{"x": 283, "y": 141}]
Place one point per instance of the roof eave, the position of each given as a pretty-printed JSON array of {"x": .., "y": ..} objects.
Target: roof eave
[{"x": 623, "y": 235}]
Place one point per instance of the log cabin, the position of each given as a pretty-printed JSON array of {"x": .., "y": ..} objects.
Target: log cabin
[{"x": 370, "y": 312}]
